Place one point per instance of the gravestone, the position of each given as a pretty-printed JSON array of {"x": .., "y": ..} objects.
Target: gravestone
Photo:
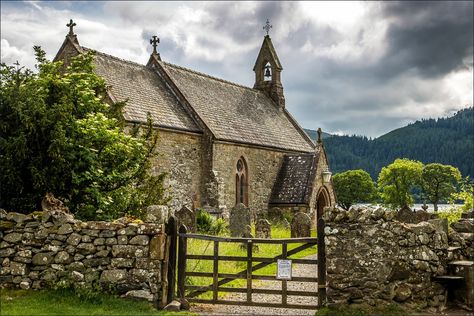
[
  {"x": 247, "y": 232},
  {"x": 301, "y": 225},
  {"x": 187, "y": 217},
  {"x": 239, "y": 218},
  {"x": 263, "y": 229}
]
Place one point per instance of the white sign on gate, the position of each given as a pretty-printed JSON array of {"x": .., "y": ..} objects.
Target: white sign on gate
[{"x": 284, "y": 269}]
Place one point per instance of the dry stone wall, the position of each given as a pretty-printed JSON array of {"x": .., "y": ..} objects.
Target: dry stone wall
[
  {"x": 43, "y": 248},
  {"x": 374, "y": 259}
]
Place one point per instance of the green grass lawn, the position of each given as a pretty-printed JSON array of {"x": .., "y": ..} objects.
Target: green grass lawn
[
  {"x": 204, "y": 247},
  {"x": 66, "y": 302}
]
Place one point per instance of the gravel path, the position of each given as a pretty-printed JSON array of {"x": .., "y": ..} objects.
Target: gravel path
[{"x": 305, "y": 270}]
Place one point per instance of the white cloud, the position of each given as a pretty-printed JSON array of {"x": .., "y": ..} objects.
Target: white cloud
[
  {"x": 329, "y": 51},
  {"x": 11, "y": 54}
]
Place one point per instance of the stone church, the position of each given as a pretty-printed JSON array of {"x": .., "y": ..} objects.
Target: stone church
[{"x": 221, "y": 143}]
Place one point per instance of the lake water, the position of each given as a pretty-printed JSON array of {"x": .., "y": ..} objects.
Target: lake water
[{"x": 430, "y": 206}]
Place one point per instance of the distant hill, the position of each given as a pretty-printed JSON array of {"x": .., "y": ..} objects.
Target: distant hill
[{"x": 445, "y": 140}]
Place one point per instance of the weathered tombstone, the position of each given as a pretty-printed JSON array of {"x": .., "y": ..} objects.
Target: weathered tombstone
[
  {"x": 247, "y": 232},
  {"x": 263, "y": 229},
  {"x": 286, "y": 223},
  {"x": 239, "y": 218},
  {"x": 187, "y": 217},
  {"x": 301, "y": 225},
  {"x": 157, "y": 214}
]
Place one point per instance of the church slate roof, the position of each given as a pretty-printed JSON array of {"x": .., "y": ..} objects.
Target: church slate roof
[
  {"x": 293, "y": 184},
  {"x": 145, "y": 91},
  {"x": 237, "y": 113},
  {"x": 232, "y": 112}
]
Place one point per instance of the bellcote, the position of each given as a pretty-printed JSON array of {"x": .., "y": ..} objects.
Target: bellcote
[{"x": 268, "y": 72}]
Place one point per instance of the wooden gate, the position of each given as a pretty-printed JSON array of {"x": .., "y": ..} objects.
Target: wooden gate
[{"x": 190, "y": 292}]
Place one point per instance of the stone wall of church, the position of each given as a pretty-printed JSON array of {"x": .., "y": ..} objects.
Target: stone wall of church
[
  {"x": 180, "y": 156},
  {"x": 263, "y": 166}
]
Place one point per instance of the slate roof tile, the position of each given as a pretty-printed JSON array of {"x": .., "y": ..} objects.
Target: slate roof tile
[
  {"x": 145, "y": 91},
  {"x": 237, "y": 113},
  {"x": 294, "y": 181}
]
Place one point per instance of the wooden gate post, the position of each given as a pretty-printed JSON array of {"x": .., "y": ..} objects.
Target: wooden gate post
[
  {"x": 171, "y": 231},
  {"x": 182, "y": 246},
  {"x": 321, "y": 264}
]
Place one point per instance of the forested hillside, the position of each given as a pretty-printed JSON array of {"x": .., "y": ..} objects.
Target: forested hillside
[{"x": 445, "y": 140}]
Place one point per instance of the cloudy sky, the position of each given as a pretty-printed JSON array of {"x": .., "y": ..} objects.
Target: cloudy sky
[{"x": 348, "y": 67}]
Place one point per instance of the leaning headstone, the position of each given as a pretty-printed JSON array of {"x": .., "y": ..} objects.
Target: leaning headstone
[
  {"x": 301, "y": 225},
  {"x": 239, "y": 218},
  {"x": 187, "y": 217},
  {"x": 263, "y": 229}
]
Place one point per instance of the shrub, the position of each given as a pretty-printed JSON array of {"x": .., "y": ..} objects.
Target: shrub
[
  {"x": 59, "y": 134},
  {"x": 452, "y": 214},
  {"x": 207, "y": 224}
]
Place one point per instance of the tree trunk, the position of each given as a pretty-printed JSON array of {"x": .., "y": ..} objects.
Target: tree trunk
[{"x": 435, "y": 206}]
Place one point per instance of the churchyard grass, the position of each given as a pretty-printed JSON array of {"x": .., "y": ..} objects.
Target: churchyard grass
[
  {"x": 204, "y": 247},
  {"x": 67, "y": 302}
]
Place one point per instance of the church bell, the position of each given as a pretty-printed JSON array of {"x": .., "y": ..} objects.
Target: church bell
[{"x": 267, "y": 71}]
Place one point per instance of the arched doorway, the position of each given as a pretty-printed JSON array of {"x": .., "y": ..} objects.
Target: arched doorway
[{"x": 322, "y": 202}]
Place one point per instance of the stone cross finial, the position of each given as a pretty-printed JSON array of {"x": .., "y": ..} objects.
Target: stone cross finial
[
  {"x": 154, "y": 41},
  {"x": 71, "y": 25},
  {"x": 320, "y": 132},
  {"x": 267, "y": 26}
]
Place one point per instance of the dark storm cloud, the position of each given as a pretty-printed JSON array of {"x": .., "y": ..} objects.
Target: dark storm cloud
[
  {"x": 431, "y": 37},
  {"x": 363, "y": 72}
]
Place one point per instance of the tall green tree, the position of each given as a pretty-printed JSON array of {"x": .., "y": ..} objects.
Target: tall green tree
[
  {"x": 439, "y": 181},
  {"x": 397, "y": 180},
  {"x": 57, "y": 134},
  {"x": 354, "y": 186}
]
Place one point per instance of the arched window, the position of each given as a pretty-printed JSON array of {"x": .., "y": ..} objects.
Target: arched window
[{"x": 241, "y": 182}]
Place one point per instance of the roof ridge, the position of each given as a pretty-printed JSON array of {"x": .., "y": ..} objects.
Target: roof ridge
[
  {"x": 112, "y": 56},
  {"x": 208, "y": 76},
  {"x": 172, "y": 65}
]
